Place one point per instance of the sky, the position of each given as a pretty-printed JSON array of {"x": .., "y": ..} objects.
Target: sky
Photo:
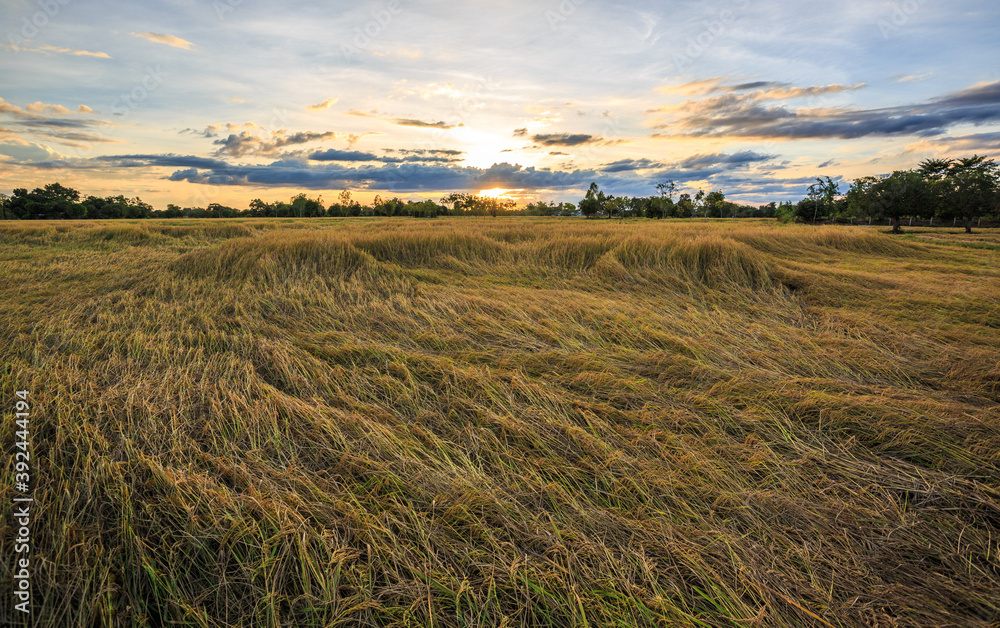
[{"x": 222, "y": 101}]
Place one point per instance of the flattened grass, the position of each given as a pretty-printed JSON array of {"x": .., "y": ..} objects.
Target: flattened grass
[{"x": 505, "y": 423}]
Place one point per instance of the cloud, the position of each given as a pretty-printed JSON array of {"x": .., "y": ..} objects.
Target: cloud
[
  {"x": 13, "y": 110},
  {"x": 46, "y": 50},
  {"x": 563, "y": 139},
  {"x": 353, "y": 138},
  {"x": 422, "y": 155},
  {"x": 78, "y": 53},
  {"x": 404, "y": 121},
  {"x": 745, "y": 116},
  {"x": 167, "y": 160},
  {"x": 781, "y": 91},
  {"x": 84, "y": 109},
  {"x": 743, "y": 158},
  {"x": 402, "y": 177},
  {"x": 692, "y": 88},
  {"x": 40, "y": 107},
  {"x": 326, "y": 104},
  {"x": 773, "y": 90},
  {"x": 41, "y": 122},
  {"x": 421, "y": 123},
  {"x": 451, "y": 152},
  {"x": 977, "y": 142},
  {"x": 743, "y": 87},
  {"x": 628, "y": 165},
  {"x": 29, "y": 152},
  {"x": 521, "y": 132},
  {"x": 168, "y": 40},
  {"x": 74, "y": 138},
  {"x": 342, "y": 155},
  {"x": 212, "y": 130},
  {"x": 244, "y": 143}
]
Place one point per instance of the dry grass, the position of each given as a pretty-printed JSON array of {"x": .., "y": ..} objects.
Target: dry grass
[{"x": 505, "y": 423}]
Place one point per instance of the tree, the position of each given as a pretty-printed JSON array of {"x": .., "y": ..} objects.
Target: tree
[
  {"x": 684, "y": 205},
  {"x": 76, "y": 211},
  {"x": 593, "y": 203},
  {"x": 667, "y": 189},
  {"x": 699, "y": 202},
  {"x": 57, "y": 192},
  {"x": 859, "y": 196},
  {"x": 903, "y": 193},
  {"x": 460, "y": 202},
  {"x": 973, "y": 189},
  {"x": 616, "y": 206},
  {"x": 821, "y": 195},
  {"x": 715, "y": 203}
]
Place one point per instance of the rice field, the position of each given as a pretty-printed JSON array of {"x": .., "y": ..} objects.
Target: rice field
[{"x": 503, "y": 422}]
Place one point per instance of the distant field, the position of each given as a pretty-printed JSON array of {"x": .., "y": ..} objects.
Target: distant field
[{"x": 504, "y": 422}]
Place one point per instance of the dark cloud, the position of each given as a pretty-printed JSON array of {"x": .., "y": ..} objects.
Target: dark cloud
[
  {"x": 422, "y": 123},
  {"x": 987, "y": 142},
  {"x": 406, "y": 177},
  {"x": 423, "y": 156},
  {"x": 246, "y": 143},
  {"x": 744, "y": 116},
  {"x": 450, "y": 152},
  {"x": 132, "y": 161},
  {"x": 628, "y": 165},
  {"x": 374, "y": 113},
  {"x": 76, "y": 138},
  {"x": 62, "y": 123},
  {"x": 563, "y": 139},
  {"x": 352, "y": 169},
  {"x": 521, "y": 132},
  {"x": 342, "y": 155},
  {"x": 169, "y": 160},
  {"x": 743, "y": 158},
  {"x": 744, "y": 87}
]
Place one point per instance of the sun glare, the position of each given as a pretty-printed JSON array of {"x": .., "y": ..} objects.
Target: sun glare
[{"x": 495, "y": 193}]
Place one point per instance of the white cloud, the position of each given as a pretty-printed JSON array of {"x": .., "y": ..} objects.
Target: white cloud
[{"x": 27, "y": 151}]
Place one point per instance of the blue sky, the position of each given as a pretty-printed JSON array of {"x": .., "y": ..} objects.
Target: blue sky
[{"x": 200, "y": 101}]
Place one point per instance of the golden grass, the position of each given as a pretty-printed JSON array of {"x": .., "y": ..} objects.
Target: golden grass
[{"x": 505, "y": 423}]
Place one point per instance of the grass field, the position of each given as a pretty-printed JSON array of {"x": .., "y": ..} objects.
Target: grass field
[{"x": 510, "y": 422}]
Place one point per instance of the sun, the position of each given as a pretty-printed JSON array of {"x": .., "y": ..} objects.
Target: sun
[{"x": 495, "y": 192}]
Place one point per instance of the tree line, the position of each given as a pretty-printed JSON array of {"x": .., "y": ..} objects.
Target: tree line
[
  {"x": 597, "y": 204},
  {"x": 56, "y": 201},
  {"x": 966, "y": 189}
]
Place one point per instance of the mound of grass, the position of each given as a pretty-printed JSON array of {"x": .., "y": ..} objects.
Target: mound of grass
[{"x": 504, "y": 423}]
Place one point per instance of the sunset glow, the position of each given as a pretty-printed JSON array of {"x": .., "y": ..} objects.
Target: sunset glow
[{"x": 498, "y": 193}]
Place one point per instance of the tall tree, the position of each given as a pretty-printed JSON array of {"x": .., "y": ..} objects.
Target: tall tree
[
  {"x": 903, "y": 193},
  {"x": 593, "y": 202},
  {"x": 715, "y": 203},
  {"x": 822, "y": 194},
  {"x": 667, "y": 189},
  {"x": 974, "y": 189}
]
